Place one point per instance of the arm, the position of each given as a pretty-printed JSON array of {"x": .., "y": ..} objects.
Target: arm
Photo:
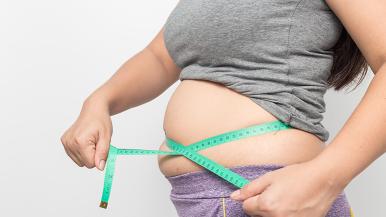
[
  {"x": 309, "y": 188},
  {"x": 363, "y": 137},
  {"x": 140, "y": 79}
]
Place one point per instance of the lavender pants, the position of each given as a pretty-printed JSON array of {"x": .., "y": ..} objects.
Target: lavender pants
[{"x": 204, "y": 194}]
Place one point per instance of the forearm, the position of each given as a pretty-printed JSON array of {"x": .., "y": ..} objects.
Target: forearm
[
  {"x": 362, "y": 138},
  {"x": 139, "y": 80}
]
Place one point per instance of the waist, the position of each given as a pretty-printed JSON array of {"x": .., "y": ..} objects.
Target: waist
[{"x": 200, "y": 109}]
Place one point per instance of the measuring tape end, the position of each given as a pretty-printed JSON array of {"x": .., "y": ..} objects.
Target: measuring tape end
[{"x": 103, "y": 205}]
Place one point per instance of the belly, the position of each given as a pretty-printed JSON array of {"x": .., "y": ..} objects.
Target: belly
[{"x": 200, "y": 109}]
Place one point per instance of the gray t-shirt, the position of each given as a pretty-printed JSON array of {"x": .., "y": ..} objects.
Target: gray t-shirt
[{"x": 276, "y": 52}]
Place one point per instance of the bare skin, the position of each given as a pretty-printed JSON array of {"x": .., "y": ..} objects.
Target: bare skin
[
  {"x": 145, "y": 76},
  {"x": 199, "y": 109},
  {"x": 316, "y": 175}
]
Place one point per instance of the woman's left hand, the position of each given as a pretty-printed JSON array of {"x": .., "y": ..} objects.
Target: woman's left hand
[{"x": 297, "y": 190}]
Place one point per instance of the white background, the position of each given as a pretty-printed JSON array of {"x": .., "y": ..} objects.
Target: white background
[{"x": 53, "y": 54}]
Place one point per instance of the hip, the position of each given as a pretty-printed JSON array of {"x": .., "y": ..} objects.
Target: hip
[{"x": 203, "y": 194}]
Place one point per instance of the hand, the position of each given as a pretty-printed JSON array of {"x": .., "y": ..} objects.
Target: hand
[
  {"x": 87, "y": 141},
  {"x": 297, "y": 190}
]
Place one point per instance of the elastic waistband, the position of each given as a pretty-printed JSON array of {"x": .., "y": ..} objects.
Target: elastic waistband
[{"x": 205, "y": 184}]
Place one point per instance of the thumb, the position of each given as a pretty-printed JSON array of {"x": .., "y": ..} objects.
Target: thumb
[
  {"x": 253, "y": 188},
  {"x": 102, "y": 150}
]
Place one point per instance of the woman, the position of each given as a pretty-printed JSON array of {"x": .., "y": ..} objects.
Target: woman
[{"x": 243, "y": 63}]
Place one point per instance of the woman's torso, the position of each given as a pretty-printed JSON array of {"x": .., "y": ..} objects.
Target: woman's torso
[
  {"x": 200, "y": 109},
  {"x": 235, "y": 55}
]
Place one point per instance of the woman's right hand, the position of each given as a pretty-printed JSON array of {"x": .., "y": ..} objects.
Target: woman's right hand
[{"x": 87, "y": 141}]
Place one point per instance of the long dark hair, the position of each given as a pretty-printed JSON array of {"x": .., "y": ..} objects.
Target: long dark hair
[{"x": 348, "y": 63}]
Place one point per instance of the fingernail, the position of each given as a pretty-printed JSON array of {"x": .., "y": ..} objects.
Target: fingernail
[
  {"x": 102, "y": 164},
  {"x": 235, "y": 194}
]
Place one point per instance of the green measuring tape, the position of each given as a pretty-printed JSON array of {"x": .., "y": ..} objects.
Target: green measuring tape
[{"x": 190, "y": 152}]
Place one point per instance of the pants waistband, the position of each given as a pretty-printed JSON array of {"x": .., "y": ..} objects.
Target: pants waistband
[{"x": 205, "y": 184}]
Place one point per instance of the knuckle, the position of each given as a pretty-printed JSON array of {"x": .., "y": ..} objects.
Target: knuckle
[
  {"x": 89, "y": 165},
  {"x": 62, "y": 140},
  {"x": 67, "y": 152},
  {"x": 65, "y": 142},
  {"x": 80, "y": 140},
  {"x": 69, "y": 146},
  {"x": 245, "y": 206},
  {"x": 65, "y": 136},
  {"x": 246, "y": 188},
  {"x": 101, "y": 155},
  {"x": 89, "y": 159},
  {"x": 267, "y": 204},
  {"x": 103, "y": 151},
  {"x": 75, "y": 160}
]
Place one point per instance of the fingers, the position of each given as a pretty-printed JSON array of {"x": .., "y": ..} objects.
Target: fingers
[
  {"x": 85, "y": 147},
  {"x": 257, "y": 198},
  {"x": 80, "y": 148},
  {"x": 253, "y": 188},
  {"x": 102, "y": 150},
  {"x": 92, "y": 129},
  {"x": 255, "y": 206},
  {"x": 74, "y": 157}
]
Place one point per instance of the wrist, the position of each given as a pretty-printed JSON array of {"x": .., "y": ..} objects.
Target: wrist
[
  {"x": 334, "y": 168},
  {"x": 97, "y": 102}
]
